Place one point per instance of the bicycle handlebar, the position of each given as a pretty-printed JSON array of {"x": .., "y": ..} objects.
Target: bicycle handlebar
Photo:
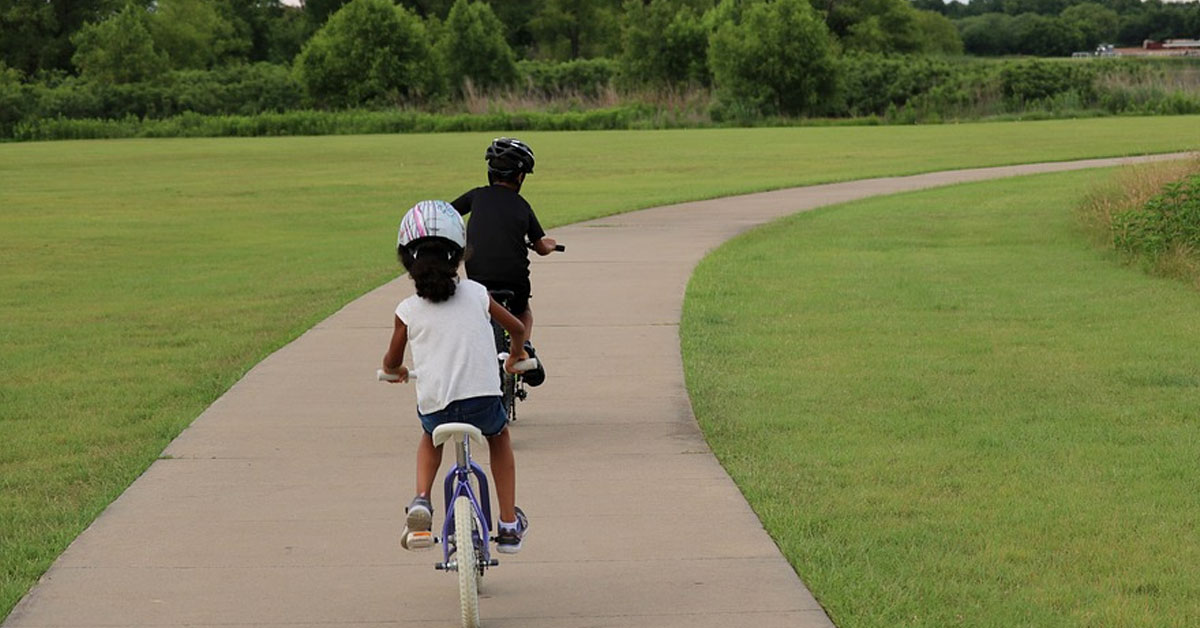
[
  {"x": 524, "y": 365},
  {"x": 557, "y": 247}
]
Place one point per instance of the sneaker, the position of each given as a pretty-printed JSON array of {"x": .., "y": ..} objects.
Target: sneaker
[
  {"x": 533, "y": 377},
  {"x": 508, "y": 541},
  {"x": 418, "y": 524}
]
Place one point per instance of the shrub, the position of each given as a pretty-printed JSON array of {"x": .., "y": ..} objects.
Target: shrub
[
  {"x": 871, "y": 83},
  {"x": 473, "y": 47},
  {"x": 370, "y": 51},
  {"x": 664, "y": 44},
  {"x": 119, "y": 49},
  {"x": 16, "y": 101},
  {"x": 588, "y": 77},
  {"x": 1034, "y": 80},
  {"x": 1170, "y": 220},
  {"x": 777, "y": 59}
]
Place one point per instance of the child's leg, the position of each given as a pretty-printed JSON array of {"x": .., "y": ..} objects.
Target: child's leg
[
  {"x": 504, "y": 474},
  {"x": 429, "y": 458}
]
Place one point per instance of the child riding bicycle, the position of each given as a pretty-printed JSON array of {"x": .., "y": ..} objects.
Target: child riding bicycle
[
  {"x": 502, "y": 229},
  {"x": 447, "y": 325}
]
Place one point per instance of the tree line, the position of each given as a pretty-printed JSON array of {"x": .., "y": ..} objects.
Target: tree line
[
  {"x": 1060, "y": 27},
  {"x": 749, "y": 59}
]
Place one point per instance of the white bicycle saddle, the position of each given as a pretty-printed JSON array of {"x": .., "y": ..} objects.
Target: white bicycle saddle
[{"x": 447, "y": 431}]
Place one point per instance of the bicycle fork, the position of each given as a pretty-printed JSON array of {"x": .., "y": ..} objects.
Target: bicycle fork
[{"x": 458, "y": 483}]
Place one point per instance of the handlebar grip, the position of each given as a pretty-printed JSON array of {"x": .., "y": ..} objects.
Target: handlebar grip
[
  {"x": 560, "y": 248},
  {"x": 527, "y": 364},
  {"x": 383, "y": 376}
]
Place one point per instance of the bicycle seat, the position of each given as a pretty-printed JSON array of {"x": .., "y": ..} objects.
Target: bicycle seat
[{"x": 447, "y": 431}]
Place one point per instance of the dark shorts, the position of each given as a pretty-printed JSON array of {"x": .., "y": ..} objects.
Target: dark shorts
[
  {"x": 485, "y": 413},
  {"x": 520, "y": 289}
]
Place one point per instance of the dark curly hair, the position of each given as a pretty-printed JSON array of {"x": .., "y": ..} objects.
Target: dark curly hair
[{"x": 433, "y": 266}]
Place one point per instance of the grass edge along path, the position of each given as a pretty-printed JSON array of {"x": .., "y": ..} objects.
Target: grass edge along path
[
  {"x": 948, "y": 408},
  {"x": 161, "y": 270}
]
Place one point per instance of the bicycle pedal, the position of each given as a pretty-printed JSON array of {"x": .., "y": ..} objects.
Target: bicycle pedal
[
  {"x": 420, "y": 540},
  {"x": 521, "y": 394}
]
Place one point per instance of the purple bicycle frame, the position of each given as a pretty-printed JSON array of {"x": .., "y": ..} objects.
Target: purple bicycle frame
[{"x": 457, "y": 483}]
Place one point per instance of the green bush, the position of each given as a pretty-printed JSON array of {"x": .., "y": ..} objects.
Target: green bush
[
  {"x": 871, "y": 83},
  {"x": 119, "y": 49},
  {"x": 664, "y": 43},
  {"x": 16, "y": 101},
  {"x": 238, "y": 89},
  {"x": 473, "y": 48},
  {"x": 341, "y": 123},
  {"x": 1027, "y": 81},
  {"x": 588, "y": 77},
  {"x": 369, "y": 52},
  {"x": 777, "y": 59},
  {"x": 1168, "y": 221}
]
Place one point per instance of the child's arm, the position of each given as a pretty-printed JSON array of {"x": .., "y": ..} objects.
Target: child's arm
[
  {"x": 545, "y": 246},
  {"x": 395, "y": 352},
  {"x": 516, "y": 331}
]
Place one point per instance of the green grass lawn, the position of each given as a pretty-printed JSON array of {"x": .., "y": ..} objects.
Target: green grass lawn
[
  {"x": 143, "y": 277},
  {"x": 950, "y": 409}
]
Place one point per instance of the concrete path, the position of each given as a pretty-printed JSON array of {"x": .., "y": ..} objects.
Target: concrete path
[{"x": 282, "y": 504}]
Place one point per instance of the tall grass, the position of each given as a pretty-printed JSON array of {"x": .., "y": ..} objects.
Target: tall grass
[{"x": 1135, "y": 215}]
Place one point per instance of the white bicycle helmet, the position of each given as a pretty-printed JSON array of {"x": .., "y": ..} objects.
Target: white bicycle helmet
[{"x": 432, "y": 219}]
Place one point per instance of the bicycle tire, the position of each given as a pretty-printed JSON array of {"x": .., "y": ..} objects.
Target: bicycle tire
[{"x": 468, "y": 563}]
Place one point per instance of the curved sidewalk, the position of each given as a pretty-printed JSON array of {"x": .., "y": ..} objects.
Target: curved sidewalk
[{"x": 282, "y": 504}]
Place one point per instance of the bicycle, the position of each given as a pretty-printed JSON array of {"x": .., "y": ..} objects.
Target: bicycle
[
  {"x": 468, "y": 510},
  {"x": 512, "y": 386}
]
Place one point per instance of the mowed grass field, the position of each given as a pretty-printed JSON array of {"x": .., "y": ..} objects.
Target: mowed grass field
[
  {"x": 949, "y": 409},
  {"x": 142, "y": 278}
]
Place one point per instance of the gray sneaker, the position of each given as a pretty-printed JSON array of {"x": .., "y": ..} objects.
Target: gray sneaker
[
  {"x": 418, "y": 524},
  {"x": 509, "y": 541}
]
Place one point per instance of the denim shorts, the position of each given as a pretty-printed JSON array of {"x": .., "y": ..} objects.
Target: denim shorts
[{"x": 485, "y": 413}]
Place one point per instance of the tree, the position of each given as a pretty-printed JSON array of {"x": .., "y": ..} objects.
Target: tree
[
  {"x": 118, "y": 49},
  {"x": 1097, "y": 23},
  {"x": 777, "y": 59},
  {"x": 938, "y": 34},
  {"x": 889, "y": 26},
  {"x": 286, "y": 36},
  {"x": 36, "y": 34},
  {"x": 473, "y": 47},
  {"x": 516, "y": 15},
  {"x": 1046, "y": 36},
  {"x": 198, "y": 33},
  {"x": 319, "y": 11},
  {"x": 428, "y": 8},
  {"x": 664, "y": 42},
  {"x": 574, "y": 29},
  {"x": 369, "y": 51},
  {"x": 989, "y": 34}
]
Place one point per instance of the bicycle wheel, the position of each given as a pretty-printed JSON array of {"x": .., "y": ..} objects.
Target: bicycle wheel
[{"x": 464, "y": 549}]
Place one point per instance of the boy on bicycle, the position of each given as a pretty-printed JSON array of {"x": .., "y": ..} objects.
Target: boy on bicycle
[{"x": 502, "y": 223}]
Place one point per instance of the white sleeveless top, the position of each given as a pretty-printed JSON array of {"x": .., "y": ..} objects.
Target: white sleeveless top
[{"x": 453, "y": 349}]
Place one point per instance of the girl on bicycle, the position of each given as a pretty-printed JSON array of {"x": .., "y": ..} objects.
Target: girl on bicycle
[{"x": 453, "y": 350}]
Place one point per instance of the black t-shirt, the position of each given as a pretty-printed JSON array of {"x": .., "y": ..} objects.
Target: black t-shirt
[{"x": 500, "y": 223}]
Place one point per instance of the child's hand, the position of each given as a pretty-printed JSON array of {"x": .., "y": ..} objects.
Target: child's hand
[
  {"x": 510, "y": 363},
  {"x": 400, "y": 372}
]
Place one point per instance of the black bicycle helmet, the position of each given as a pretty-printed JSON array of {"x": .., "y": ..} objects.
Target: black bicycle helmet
[{"x": 508, "y": 156}]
